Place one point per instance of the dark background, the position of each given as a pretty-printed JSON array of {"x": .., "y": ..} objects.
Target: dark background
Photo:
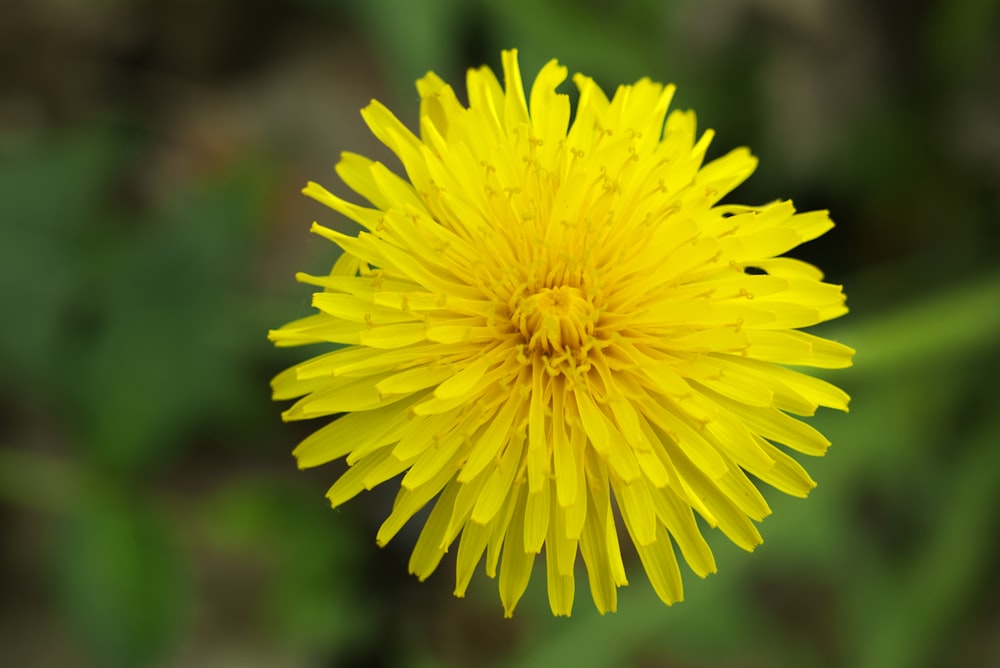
[{"x": 151, "y": 156}]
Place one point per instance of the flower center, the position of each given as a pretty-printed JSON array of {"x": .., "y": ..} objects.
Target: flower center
[{"x": 555, "y": 320}]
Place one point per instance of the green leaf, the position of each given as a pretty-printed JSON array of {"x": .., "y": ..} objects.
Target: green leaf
[
  {"x": 310, "y": 595},
  {"x": 120, "y": 577},
  {"x": 178, "y": 325},
  {"x": 51, "y": 190}
]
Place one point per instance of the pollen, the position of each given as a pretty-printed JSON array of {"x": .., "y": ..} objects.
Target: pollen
[{"x": 556, "y": 320}]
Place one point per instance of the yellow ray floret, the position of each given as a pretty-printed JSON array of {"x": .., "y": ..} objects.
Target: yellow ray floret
[{"x": 553, "y": 332}]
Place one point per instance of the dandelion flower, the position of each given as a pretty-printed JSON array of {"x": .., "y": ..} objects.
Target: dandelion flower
[{"x": 553, "y": 331}]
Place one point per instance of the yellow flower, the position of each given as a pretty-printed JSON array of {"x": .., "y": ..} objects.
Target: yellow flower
[{"x": 555, "y": 329}]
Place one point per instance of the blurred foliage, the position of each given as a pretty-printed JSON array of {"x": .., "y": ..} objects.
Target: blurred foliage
[
  {"x": 121, "y": 576},
  {"x": 150, "y": 156}
]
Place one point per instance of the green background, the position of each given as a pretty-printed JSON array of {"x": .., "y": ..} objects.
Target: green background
[{"x": 151, "y": 156}]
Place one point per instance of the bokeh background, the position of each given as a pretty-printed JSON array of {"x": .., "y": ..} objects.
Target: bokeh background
[{"x": 151, "y": 157}]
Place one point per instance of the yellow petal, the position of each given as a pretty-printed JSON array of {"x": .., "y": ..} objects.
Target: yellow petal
[
  {"x": 536, "y": 518},
  {"x": 516, "y": 563},
  {"x": 427, "y": 552},
  {"x": 660, "y": 563}
]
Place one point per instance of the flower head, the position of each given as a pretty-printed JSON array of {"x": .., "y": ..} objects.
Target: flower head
[{"x": 555, "y": 332}]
